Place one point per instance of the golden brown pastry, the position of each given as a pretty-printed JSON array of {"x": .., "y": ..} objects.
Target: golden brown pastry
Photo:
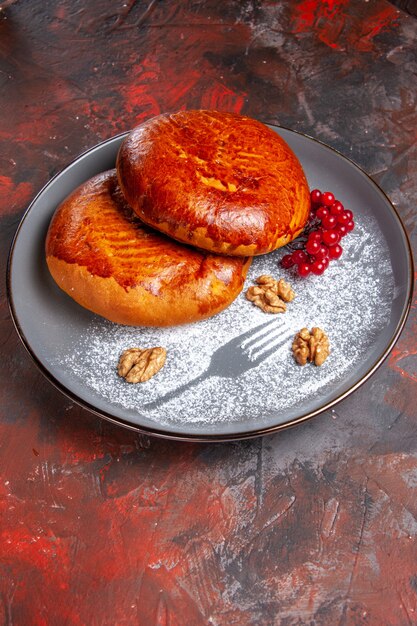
[
  {"x": 100, "y": 254},
  {"x": 219, "y": 181}
]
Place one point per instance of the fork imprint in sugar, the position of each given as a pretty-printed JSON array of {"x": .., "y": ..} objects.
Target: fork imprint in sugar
[{"x": 237, "y": 356}]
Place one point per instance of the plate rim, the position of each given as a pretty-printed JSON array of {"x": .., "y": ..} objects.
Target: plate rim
[{"x": 211, "y": 437}]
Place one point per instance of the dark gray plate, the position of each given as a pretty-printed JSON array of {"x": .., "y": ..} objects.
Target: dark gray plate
[{"x": 50, "y": 324}]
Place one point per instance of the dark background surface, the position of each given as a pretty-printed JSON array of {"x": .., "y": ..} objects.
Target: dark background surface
[
  {"x": 410, "y": 6},
  {"x": 315, "y": 525}
]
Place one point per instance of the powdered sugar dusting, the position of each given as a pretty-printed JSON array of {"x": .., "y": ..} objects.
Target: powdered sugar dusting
[{"x": 350, "y": 301}]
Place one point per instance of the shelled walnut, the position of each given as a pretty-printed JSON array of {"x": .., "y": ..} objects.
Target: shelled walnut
[
  {"x": 138, "y": 365},
  {"x": 270, "y": 295},
  {"x": 311, "y": 346}
]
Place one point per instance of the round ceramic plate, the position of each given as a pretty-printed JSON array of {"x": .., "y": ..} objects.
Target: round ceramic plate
[{"x": 232, "y": 376}]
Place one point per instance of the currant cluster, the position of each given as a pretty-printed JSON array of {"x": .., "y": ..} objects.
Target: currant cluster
[{"x": 329, "y": 221}]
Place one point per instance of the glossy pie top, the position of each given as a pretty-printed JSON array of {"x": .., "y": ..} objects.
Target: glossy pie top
[{"x": 220, "y": 181}]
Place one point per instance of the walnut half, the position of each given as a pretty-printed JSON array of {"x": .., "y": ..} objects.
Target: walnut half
[
  {"x": 138, "y": 366},
  {"x": 311, "y": 346},
  {"x": 270, "y": 295}
]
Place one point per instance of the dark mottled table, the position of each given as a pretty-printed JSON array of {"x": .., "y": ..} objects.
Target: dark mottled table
[{"x": 314, "y": 525}]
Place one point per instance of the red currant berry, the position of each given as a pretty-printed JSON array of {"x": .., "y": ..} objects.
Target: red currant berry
[
  {"x": 331, "y": 237},
  {"x": 315, "y": 196},
  {"x": 323, "y": 253},
  {"x": 325, "y": 262},
  {"x": 312, "y": 246},
  {"x": 335, "y": 252},
  {"x": 343, "y": 218},
  {"x": 350, "y": 226},
  {"x": 318, "y": 267},
  {"x": 327, "y": 198},
  {"x": 349, "y": 214},
  {"x": 299, "y": 256},
  {"x": 304, "y": 269},
  {"x": 322, "y": 212},
  {"x": 329, "y": 222},
  {"x": 341, "y": 229},
  {"x": 337, "y": 208},
  {"x": 287, "y": 261},
  {"x": 315, "y": 235}
]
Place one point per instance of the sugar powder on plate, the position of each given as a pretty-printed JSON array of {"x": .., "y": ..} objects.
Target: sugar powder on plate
[{"x": 350, "y": 301}]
